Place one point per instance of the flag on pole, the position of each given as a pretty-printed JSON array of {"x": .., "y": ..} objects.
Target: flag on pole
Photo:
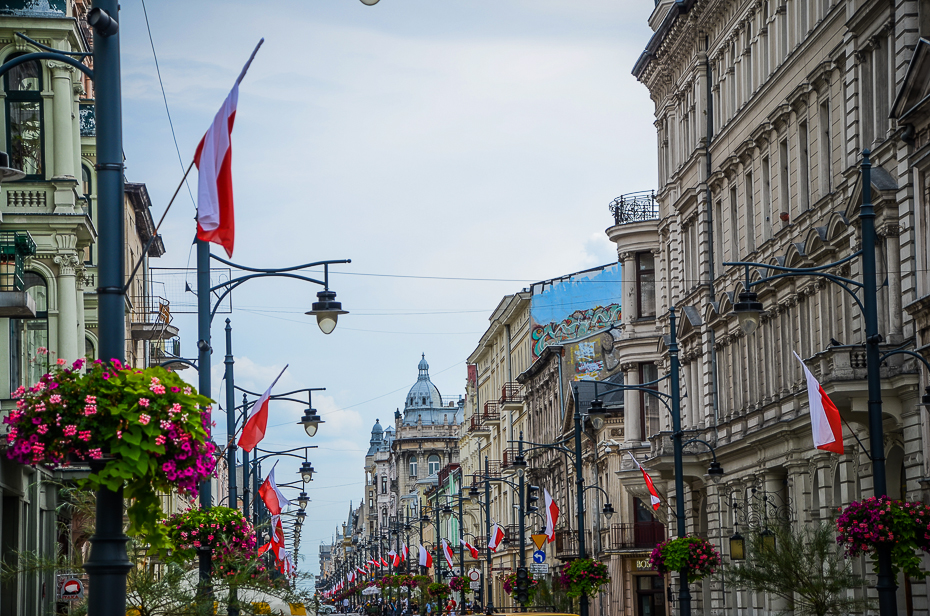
[
  {"x": 447, "y": 552},
  {"x": 426, "y": 559},
  {"x": 403, "y": 553},
  {"x": 273, "y": 498},
  {"x": 213, "y": 157},
  {"x": 395, "y": 558},
  {"x": 472, "y": 549},
  {"x": 552, "y": 516},
  {"x": 384, "y": 562},
  {"x": 653, "y": 494},
  {"x": 254, "y": 429},
  {"x": 497, "y": 535},
  {"x": 825, "y": 417}
]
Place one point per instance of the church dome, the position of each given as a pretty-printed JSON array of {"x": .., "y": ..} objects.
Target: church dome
[{"x": 423, "y": 394}]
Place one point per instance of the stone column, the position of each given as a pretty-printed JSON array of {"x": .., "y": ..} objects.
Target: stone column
[
  {"x": 80, "y": 272},
  {"x": 632, "y": 417},
  {"x": 67, "y": 308},
  {"x": 892, "y": 234},
  {"x": 627, "y": 286},
  {"x": 62, "y": 119}
]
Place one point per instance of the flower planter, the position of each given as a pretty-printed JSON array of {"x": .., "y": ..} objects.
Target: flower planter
[
  {"x": 695, "y": 554},
  {"x": 903, "y": 526},
  {"x": 510, "y": 585},
  {"x": 147, "y": 428},
  {"x": 584, "y": 576},
  {"x": 222, "y": 530}
]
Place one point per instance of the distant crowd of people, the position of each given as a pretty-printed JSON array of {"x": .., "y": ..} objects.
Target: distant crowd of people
[{"x": 403, "y": 607}]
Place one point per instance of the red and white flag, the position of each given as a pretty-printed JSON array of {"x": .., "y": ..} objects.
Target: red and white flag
[
  {"x": 447, "y": 552},
  {"x": 403, "y": 553},
  {"x": 497, "y": 535},
  {"x": 276, "y": 545},
  {"x": 825, "y": 417},
  {"x": 653, "y": 494},
  {"x": 213, "y": 157},
  {"x": 426, "y": 559},
  {"x": 552, "y": 515},
  {"x": 374, "y": 563},
  {"x": 395, "y": 558},
  {"x": 470, "y": 548},
  {"x": 254, "y": 429},
  {"x": 384, "y": 562},
  {"x": 273, "y": 498}
]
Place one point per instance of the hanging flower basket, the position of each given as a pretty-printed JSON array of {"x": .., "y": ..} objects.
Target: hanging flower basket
[
  {"x": 584, "y": 576},
  {"x": 460, "y": 584},
  {"x": 438, "y": 590},
  {"x": 229, "y": 536},
  {"x": 415, "y": 581},
  {"x": 390, "y": 581},
  {"x": 143, "y": 430},
  {"x": 903, "y": 526},
  {"x": 510, "y": 585},
  {"x": 696, "y": 554}
]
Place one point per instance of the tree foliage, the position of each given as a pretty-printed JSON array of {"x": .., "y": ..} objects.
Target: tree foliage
[{"x": 804, "y": 567}]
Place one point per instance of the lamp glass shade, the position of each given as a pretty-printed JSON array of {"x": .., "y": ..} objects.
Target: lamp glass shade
[
  {"x": 303, "y": 500},
  {"x": 311, "y": 422},
  {"x": 369, "y": 2},
  {"x": 737, "y": 547},
  {"x": 326, "y": 311},
  {"x": 597, "y": 421},
  {"x": 306, "y": 472},
  {"x": 608, "y": 511},
  {"x": 768, "y": 539},
  {"x": 748, "y": 310}
]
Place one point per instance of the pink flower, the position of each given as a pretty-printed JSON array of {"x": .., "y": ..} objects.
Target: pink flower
[
  {"x": 187, "y": 391},
  {"x": 70, "y": 430},
  {"x": 84, "y": 435},
  {"x": 42, "y": 429},
  {"x": 61, "y": 361},
  {"x": 42, "y": 351},
  {"x": 90, "y": 409},
  {"x": 96, "y": 454},
  {"x": 157, "y": 389},
  {"x": 91, "y": 399},
  {"x": 160, "y": 439},
  {"x": 119, "y": 434},
  {"x": 55, "y": 399},
  {"x": 144, "y": 402},
  {"x": 144, "y": 419}
]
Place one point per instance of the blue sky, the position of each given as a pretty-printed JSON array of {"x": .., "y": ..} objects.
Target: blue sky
[{"x": 478, "y": 139}]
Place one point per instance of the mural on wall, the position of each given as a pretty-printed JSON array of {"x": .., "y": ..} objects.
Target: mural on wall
[
  {"x": 573, "y": 307},
  {"x": 591, "y": 358}
]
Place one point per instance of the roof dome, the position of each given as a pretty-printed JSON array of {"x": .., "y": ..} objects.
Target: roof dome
[
  {"x": 377, "y": 427},
  {"x": 423, "y": 394},
  {"x": 376, "y": 438}
]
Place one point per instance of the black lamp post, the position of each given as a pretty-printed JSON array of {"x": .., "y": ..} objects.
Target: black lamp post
[{"x": 748, "y": 312}]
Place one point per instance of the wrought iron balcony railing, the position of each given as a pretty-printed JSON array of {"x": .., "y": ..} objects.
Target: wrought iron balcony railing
[
  {"x": 636, "y": 535},
  {"x": 635, "y": 207},
  {"x": 15, "y": 246}
]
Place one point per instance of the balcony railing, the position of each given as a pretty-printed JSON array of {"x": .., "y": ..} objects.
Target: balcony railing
[
  {"x": 511, "y": 393},
  {"x": 566, "y": 544},
  {"x": 15, "y": 246},
  {"x": 634, "y": 207},
  {"x": 492, "y": 412},
  {"x": 510, "y": 454},
  {"x": 476, "y": 425},
  {"x": 636, "y": 535}
]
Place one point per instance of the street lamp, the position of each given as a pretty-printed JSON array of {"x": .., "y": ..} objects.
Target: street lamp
[
  {"x": 608, "y": 511},
  {"x": 326, "y": 311},
  {"x": 737, "y": 547},
  {"x": 303, "y": 500},
  {"x": 311, "y": 421},
  {"x": 7, "y": 173},
  {"x": 748, "y": 310},
  {"x": 306, "y": 471}
]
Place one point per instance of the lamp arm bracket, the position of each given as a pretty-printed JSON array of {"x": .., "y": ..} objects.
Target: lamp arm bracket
[
  {"x": 79, "y": 54},
  {"x": 598, "y": 488},
  {"x": 179, "y": 360},
  {"x": 277, "y": 270},
  {"x": 542, "y": 446},
  {"x": 702, "y": 441},
  {"x": 45, "y": 55},
  {"x": 913, "y": 354},
  {"x": 844, "y": 283}
]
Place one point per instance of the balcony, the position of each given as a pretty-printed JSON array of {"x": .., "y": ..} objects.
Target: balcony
[
  {"x": 491, "y": 414},
  {"x": 510, "y": 454},
  {"x": 151, "y": 318},
  {"x": 15, "y": 246},
  {"x": 512, "y": 397},
  {"x": 635, "y": 207},
  {"x": 476, "y": 425},
  {"x": 447, "y": 470},
  {"x": 636, "y": 536},
  {"x": 566, "y": 544}
]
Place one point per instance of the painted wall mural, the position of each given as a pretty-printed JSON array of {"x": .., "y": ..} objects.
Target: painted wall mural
[{"x": 573, "y": 307}]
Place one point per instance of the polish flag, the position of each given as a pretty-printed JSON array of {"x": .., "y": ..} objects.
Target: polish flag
[
  {"x": 426, "y": 559},
  {"x": 351, "y": 577},
  {"x": 653, "y": 494},
  {"x": 552, "y": 515},
  {"x": 374, "y": 563},
  {"x": 384, "y": 562},
  {"x": 497, "y": 535},
  {"x": 213, "y": 157},
  {"x": 395, "y": 558},
  {"x": 403, "y": 553},
  {"x": 470, "y": 548},
  {"x": 825, "y": 417},
  {"x": 254, "y": 429},
  {"x": 276, "y": 545},
  {"x": 273, "y": 498},
  {"x": 447, "y": 552}
]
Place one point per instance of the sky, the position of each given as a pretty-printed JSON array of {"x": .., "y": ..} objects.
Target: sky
[{"x": 455, "y": 150}]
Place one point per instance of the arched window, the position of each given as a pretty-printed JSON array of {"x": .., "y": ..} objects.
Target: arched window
[
  {"x": 88, "y": 187},
  {"x": 413, "y": 466},
  {"x": 29, "y": 337},
  {"x": 24, "y": 133},
  {"x": 433, "y": 462}
]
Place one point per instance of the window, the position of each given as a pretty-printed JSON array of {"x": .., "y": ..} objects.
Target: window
[
  {"x": 826, "y": 150},
  {"x": 383, "y": 484},
  {"x": 735, "y": 251},
  {"x": 645, "y": 285},
  {"x": 23, "y": 87},
  {"x": 413, "y": 466},
  {"x": 384, "y": 519},
  {"x": 29, "y": 337},
  {"x": 433, "y": 462},
  {"x": 649, "y": 404},
  {"x": 750, "y": 214},
  {"x": 783, "y": 194},
  {"x": 804, "y": 184},
  {"x": 371, "y": 503},
  {"x": 766, "y": 199}
]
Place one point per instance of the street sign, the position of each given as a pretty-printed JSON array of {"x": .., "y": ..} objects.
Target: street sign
[
  {"x": 456, "y": 571},
  {"x": 474, "y": 585},
  {"x": 70, "y": 588},
  {"x": 539, "y": 556},
  {"x": 539, "y": 540},
  {"x": 474, "y": 575},
  {"x": 539, "y": 568}
]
